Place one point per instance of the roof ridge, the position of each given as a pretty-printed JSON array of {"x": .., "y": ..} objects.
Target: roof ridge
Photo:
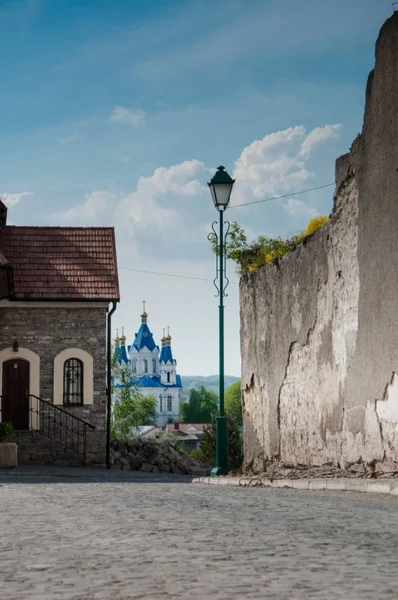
[{"x": 58, "y": 227}]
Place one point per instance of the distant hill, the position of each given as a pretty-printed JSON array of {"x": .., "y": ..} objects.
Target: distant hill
[{"x": 210, "y": 383}]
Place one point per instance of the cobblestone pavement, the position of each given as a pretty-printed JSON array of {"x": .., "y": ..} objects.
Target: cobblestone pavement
[{"x": 82, "y": 539}]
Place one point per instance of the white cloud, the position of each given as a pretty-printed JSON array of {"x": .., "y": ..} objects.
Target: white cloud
[
  {"x": 120, "y": 114},
  {"x": 125, "y": 159},
  {"x": 13, "y": 199},
  {"x": 89, "y": 212},
  {"x": 154, "y": 201},
  {"x": 278, "y": 163},
  {"x": 317, "y": 135},
  {"x": 298, "y": 208},
  {"x": 68, "y": 138}
]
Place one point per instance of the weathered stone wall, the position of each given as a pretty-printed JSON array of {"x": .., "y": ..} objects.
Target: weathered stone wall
[
  {"x": 47, "y": 331},
  {"x": 319, "y": 330}
]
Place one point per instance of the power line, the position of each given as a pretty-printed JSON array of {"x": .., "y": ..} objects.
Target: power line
[
  {"x": 169, "y": 274},
  {"x": 320, "y": 187}
]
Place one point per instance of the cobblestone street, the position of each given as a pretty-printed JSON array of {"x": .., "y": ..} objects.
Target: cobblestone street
[{"x": 86, "y": 539}]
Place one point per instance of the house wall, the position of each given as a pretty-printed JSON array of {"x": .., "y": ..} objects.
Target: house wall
[
  {"x": 50, "y": 329},
  {"x": 319, "y": 330}
]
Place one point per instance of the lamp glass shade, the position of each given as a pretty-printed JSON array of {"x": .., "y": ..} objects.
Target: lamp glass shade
[
  {"x": 221, "y": 193},
  {"x": 221, "y": 187}
]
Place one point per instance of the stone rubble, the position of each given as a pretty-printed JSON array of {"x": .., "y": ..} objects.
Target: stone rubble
[
  {"x": 154, "y": 457},
  {"x": 360, "y": 470}
]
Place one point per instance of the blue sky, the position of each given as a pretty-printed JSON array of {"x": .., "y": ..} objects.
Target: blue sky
[{"x": 116, "y": 113}]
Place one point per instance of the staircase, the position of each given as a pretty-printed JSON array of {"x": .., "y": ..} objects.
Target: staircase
[{"x": 55, "y": 436}]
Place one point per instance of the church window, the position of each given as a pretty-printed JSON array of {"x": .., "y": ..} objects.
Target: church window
[
  {"x": 154, "y": 365},
  {"x": 160, "y": 403},
  {"x": 169, "y": 403},
  {"x": 73, "y": 381},
  {"x": 168, "y": 376},
  {"x": 134, "y": 365},
  {"x": 145, "y": 364}
]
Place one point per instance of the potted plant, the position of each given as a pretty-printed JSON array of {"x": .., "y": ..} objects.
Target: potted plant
[{"x": 6, "y": 431}]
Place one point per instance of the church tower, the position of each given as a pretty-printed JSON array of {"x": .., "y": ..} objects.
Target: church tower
[
  {"x": 144, "y": 353},
  {"x": 168, "y": 365}
]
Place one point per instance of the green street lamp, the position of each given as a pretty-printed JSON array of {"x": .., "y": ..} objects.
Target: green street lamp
[{"x": 221, "y": 187}]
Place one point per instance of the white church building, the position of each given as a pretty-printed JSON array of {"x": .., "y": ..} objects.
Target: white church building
[{"x": 154, "y": 371}]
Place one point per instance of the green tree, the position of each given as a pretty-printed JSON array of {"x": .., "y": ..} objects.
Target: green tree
[
  {"x": 207, "y": 446},
  {"x": 131, "y": 409},
  {"x": 201, "y": 406},
  {"x": 233, "y": 403}
]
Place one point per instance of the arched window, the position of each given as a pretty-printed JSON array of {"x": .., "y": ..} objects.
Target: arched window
[
  {"x": 134, "y": 365},
  {"x": 73, "y": 381},
  {"x": 154, "y": 365},
  {"x": 145, "y": 365},
  {"x": 168, "y": 376},
  {"x": 169, "y": 403},
  {"x": 160, "y": 403}
]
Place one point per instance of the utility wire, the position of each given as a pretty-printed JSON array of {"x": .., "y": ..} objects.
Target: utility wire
[
  {"x": 166, "y": 274},
  {"x": 320, "y": 187}
]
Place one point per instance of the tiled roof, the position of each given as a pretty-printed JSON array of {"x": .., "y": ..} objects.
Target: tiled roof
[
  {"x": 62, "y": 263},
  {"x": 185, "y": 427}
]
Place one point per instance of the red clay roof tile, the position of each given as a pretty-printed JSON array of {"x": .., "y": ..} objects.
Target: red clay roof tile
[{"x": 62, "y": 263}]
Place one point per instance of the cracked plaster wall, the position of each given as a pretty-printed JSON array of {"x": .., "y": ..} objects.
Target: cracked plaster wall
[{"x": 319, "y": 330}]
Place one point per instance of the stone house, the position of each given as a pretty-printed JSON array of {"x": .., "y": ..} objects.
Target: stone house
[{"x": 56, "y": 289}]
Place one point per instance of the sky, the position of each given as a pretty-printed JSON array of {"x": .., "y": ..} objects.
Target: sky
[{"x": 117, "y": 113}]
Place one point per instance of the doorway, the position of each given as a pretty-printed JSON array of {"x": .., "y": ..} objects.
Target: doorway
[{"x": 15, "y": 393}]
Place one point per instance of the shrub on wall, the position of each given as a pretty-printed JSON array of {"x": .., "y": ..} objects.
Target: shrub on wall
[
  {"x": 262, "y": 251},
  {"x": 315, "y": 224}
]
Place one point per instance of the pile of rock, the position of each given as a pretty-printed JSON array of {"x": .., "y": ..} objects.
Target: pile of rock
[{"x": 154, "y": 457}]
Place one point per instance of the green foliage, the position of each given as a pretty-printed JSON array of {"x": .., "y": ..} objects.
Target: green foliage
[
  {"x": 264, "y": 250},
  {"x": 233, "y": 403},
  {"x": 165, "y": 436},
  {"x": 197, "y": 454},
  {"x": 210, "y": 383},
  {"x": 207, "y": 446},
  {"x": 131, "y": 409},
  {"x": 6, "y": 429},
  {"x": 200, "y": 408}
]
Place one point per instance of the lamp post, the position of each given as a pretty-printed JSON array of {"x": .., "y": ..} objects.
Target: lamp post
[{"x": 221, "y": 187}]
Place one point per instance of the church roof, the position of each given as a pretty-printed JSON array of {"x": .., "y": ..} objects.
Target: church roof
[
  {"x": 144, "y": 339},
  {"x": 147, "y": 381},
  {"x": 166, "y": 354},
  {"x": 61, "y": 263},
  {"x": 154, "y": 381},
  {"x": 121, "y": 355}
]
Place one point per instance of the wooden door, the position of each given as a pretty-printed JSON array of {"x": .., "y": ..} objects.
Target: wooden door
[{"x": 15, "y": 395}]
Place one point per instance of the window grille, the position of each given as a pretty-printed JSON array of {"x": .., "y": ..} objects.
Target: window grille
[
  {"x": 73, "y": 381},
  {"x": 169, "y": 403}
]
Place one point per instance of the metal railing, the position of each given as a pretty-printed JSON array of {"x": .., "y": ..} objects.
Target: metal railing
[{"x": 58, "y": 425}]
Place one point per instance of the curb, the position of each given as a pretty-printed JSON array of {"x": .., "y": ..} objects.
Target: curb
[{"x": 389, "y": 487}]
